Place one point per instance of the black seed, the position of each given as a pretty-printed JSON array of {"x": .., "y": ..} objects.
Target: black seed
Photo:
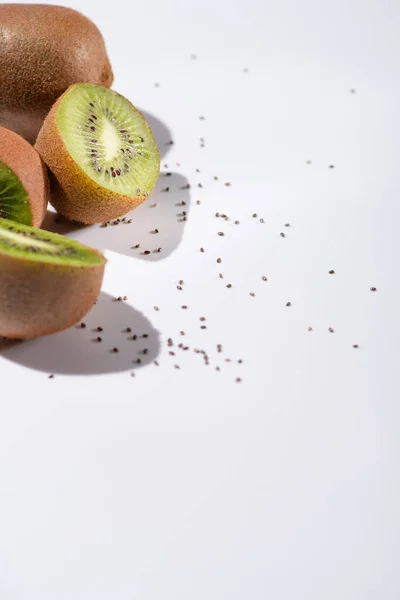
[
  {"x": 145, "y": 335},
  {"x": 255, "y": 215},
  {"x": 219, "y": 260},
  {"x": 184, "y": 307},
  {"x": 331, "y": 272},
  {"x": 156, "y": 363},
  {"x": 179, "y": 287},
  {"x": 287, "y": 224},
  {"x": 202, "y": 250},
  {"x": 146, "y": 252},
  {"x": 156, "y": 308},
  {"x": 99, "y": 339},
  {"x": 356, "y": 346},
  {"x": 331, "y": 330},
  {"x": 373, "y": 289},
  {"x": 229, "y": 285},
  {"x": 310, "y": 329},
  {"x": 221, "y": 233},
  {"x": 198, "y": 202},
  {"x": 99, "y": 329},
  {"x": 51, "y": 376},
  {"x": 262, "y": 221},
  {"x": 115, "y": 350},
  {"x": 288, "y": 304},
  {"x": 282, "y": 235},
  {"x": 238, "y": 380},
  {"x": 220, "y": 275},
  {"x": 203, "y": 326},
  {"x": 264, "y": 278},
  {"x": 237, "y": 222},
  {"x": 182, "y": 332},
  {"x": 252, "y": 294},
  {"x": 82, "y": 325}
]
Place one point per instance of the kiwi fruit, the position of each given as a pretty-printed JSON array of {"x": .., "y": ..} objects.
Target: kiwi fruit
[
  {"x": 43, "y": 50},
  {"x": 47, "y": 282},
  {"x": 24, "y": 185},
  {"x": 101, "y": 154}
]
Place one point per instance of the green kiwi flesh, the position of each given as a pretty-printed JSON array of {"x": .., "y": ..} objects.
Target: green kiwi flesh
[
  {"x": 109, "y": 139},
  {"x": 14, "y": 203},
  {"x": 37, "y": 245}
]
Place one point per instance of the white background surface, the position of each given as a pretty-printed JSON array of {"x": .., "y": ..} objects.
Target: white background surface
[{"x": 183, "y": 484}]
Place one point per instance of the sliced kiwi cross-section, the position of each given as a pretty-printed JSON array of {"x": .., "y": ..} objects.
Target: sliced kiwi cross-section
[
  {"x": 101, "y": 152},
  {"x": 47, "y": 282},
  {"x": 24, "y": 185},
  {"x": 14, "y": 203}
]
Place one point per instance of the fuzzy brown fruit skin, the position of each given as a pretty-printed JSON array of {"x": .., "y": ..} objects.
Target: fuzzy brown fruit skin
[
  {"x": 43, "y": 50},
  {"x": 25, "y": 162},
  {"x": 73, "y": 193},
  {"x": 38, "y": 298}
]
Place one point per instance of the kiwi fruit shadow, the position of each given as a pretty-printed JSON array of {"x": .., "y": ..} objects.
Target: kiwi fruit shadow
[
  {"x": 78, "y": 351},
  {"x": 156, "y": 224}
]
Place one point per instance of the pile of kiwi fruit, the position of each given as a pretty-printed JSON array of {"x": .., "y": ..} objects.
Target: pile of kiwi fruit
[{"x": 68, "y": 139}]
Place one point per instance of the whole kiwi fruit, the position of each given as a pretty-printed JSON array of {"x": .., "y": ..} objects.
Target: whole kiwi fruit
[
  {"x": 43, "y": 50},
  {"x": 47, "y": 282},
  {"x": 24, "y": 185},
  {"x": 101, "y": 154}
]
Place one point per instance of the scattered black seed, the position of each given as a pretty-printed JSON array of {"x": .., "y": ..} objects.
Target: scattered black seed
[
  {"x": 185, "y": 187},
  {"x": 217, "y": 369},
  {"x": 217, "y": 214},
  {"x": 145, "y": 351},
  {"x": 221, "y": 233},
  {"x": 179, "y": 287},
  {"x": 219, "y": 347},
  {"x": 310, "y": 329},
  {"x": 228, "y": 184},
  {"x": 165, "y": 189},
  {"x": 125, "y": 298},
  {"x": 237, "y": 222},
  {"x": 181, "y": 282},
  {"x": 156, "y": 363},
  {"x": 133, "y": 374},
  {"x": 331, "y": 272},
  {"x": 229, "y": 285},
  {"x": 288, "y": 304},
  {"x": 202, "y": 118},
  {"x": 177, "y": 366},
  {"x": 82, "y": 325},
  {"x": 264, "y": 278},
  {"x": 184, "y": 212},
  {"x": 199, "y": 185},
  {"x": 356, "y": 346},
  {"x": 287, "y": 224},
  {"x": 373, "y": 289},
  {"x": 134, "y": 337},
  {"x": 156, "y": 308},
  {"x": 154, "y": 231},
  {"x": 255, "y": 215},
  {"x": 102, "y": 225},
  {"x": 146, "y": 252},
  {"x": 180, "y": 345},
  {"x": 252, "y": 294},
  {"x": 228, "y": 360},
  {"x": 240, "y": 361},
  {"x": 99, "y": 329},
  {"x": 170, "y": 143},
  {"x": 220, "y": 275},
  {"x": 198, "y": 202},
  {"x": 282, "y": 235},
  {"x": 238, "y": 380},
  {"x": 219, "y": 260},
  {"x": 99, "y": 339},
  {"x": 138, "y": 361},
  {"x": 202, "y": 250},
  {"x": 159, "y": 249},
  {"x": 170, "y": 342},
  {"x": 136, "y": 246},
  {"x": 262, "y": 221},
  {"x": 331, "y": 166},
  {"x": 128, "y": 330},
  {"x": 171, "y": 353},
  {"x": 182, "y": 332},
  {"x": 119, "y": 298},
  {"x": 216, "y": 178},
  {"x": 184, "y": 307},
  {"x": 115, "y": 350},
  {"x": 145, "y": 335},
  {"x": 203, "y": 326},
  {"x": 331, "y": 330},
  {"x": 202, "y": 318}
]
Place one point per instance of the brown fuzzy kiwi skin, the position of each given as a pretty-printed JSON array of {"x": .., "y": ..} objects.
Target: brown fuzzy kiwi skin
[
  {"x": 27, "y": 165},
  {"x": 73, "y": 193},
  {"x": 38, "y": 298},
  {"x": 43, "y": 50}
]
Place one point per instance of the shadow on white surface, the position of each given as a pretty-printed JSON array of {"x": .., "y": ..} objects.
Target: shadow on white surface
[
  {"x": 76, "y": 351},
  {"x": 163, "y": 211},
  {"x": 161, "y": 133}
]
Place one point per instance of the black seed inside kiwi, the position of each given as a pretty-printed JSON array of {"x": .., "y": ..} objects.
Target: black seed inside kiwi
[{"x": 14, "y": 202}]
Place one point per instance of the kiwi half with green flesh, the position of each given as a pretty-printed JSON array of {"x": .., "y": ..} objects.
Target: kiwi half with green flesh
[
  {"x": 101, "y": 152},
  {"x": 43, "y": 50},
  {"x": 24, "y": 185},
  {"x": 47, "y": 282}
]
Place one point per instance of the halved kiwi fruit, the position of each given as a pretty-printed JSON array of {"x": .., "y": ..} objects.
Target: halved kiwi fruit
[
  {"x": 24, "y": 185},
  {"x": 47, "y": 282},
  {"x": 101, "y": 152},
  {"x": 43, "y": 50}
]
